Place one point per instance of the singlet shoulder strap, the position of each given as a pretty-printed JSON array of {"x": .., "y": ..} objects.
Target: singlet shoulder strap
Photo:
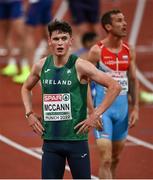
[
  {"x": 101, "y": 45},
  {"x": 126, "y": 45},
  {"x": 71, "y": 61},
  {"x": 48, "y": 61}
]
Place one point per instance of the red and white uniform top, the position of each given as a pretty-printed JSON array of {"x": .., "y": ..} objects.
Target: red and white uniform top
[{"x": 116, "y": 65}]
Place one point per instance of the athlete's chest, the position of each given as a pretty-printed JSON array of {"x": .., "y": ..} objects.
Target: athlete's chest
[
  {"x": 59, "y": 80},
  {"x": 118, "y": 62}
]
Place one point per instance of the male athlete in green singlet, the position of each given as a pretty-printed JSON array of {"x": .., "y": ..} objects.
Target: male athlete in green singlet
[{"x": 64, "y": 80}]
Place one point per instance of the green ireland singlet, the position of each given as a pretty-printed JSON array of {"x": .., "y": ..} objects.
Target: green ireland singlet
[{"x": 64, "y": 100}]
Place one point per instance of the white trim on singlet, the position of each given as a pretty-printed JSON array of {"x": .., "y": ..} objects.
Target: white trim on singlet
[
  {"x": 126, "y": 46},
  {"x": 103, "y": 67}
]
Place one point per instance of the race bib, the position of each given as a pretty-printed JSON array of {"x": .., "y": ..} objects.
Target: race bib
[
  {"x": 121, "y": 78},
  {"x": 57, "y": 107}
]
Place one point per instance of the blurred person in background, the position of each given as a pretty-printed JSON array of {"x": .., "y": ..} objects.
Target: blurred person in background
[
  {"x": 85, "y": 16},
  {"x": 11, "y": 34},
  {"x": 146, "y": 96},
  {"x": 117, "y": 59},
  {"x": 88, "y": 39},
  {"x": 37, "y": 16}
]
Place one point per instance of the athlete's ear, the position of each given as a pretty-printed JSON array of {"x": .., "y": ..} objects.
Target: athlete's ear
[
  {"x": 49, "y": 41},
  {"x": 71, "y": 41},
  {"x": 108, "y": 27}
]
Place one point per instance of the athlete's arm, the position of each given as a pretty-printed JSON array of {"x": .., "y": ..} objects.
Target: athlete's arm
[
  {"x": 89, "y": 100},
  {"x": 26, "y": 93},
  {"x": 88, "y": 70},
  {"x": 94, "y": 54},
  {"x": 93, "y": 57},
  {"x": 133, "y": 89}
]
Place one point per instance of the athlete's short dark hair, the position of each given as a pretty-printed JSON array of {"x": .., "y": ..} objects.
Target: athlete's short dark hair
[
  {"x": 61, "y": 26},
  {"x": 107, "y": 17}
]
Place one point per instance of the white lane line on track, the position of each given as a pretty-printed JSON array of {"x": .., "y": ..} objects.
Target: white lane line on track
[
  {"x": 143, "y": 80},
  {"x": 38, "y": 156},
  {"x": 18, "y": 146},
  {"x": 145, "y": 49},
  {"x": 61, "y": 10},
  {"x": 27, "y": 150},
  {"x": 132, "y": 141},
  {"x": 140, "y": 142},
  {"x": 39, "y": 149},
  {"x": 140, "y": 7},
  {"x": 32, "y": 153}
]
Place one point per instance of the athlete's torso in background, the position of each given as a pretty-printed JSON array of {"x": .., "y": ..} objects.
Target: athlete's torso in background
[{"x": 116, "y": 65}]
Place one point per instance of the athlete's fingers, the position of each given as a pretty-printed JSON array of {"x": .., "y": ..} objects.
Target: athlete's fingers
[
  {"x": 85, "y": 125},
  {"x": 40, "y": 125},
  {"x": 37, "y": 129},
  {"x": 99, "y": 125},
  {"x": 86, "y": 130},
  {"x": 31, "y": 121},
  {"x": 35, "y": 121},
  {"x": 34, "y": 129},
  {"x": 81, "y": 129},
  {"x": 79, "y": 124},
  {"x": 131, "y": 124},
  {"x": 38, "y": 117}
]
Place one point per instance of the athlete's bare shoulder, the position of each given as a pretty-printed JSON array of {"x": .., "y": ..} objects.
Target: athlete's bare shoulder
[
  {"x": 95, "y": 49},
  {"x": 37, "y": 67},
  {"x": 132, "y": 53},
  {"x": 131, "y": 48},
  {"x": 94, "y": 54},
  {"x": 84, "y": 68}
]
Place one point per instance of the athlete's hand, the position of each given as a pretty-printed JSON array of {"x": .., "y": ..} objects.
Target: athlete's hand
[
  {"x": 34, "y": 122},
  {"x": 91, "y": 122},
  {"x": 134, "y": 115}
]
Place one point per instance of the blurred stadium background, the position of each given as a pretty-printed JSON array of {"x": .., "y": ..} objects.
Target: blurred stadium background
[{"x": 20, "y": 151}]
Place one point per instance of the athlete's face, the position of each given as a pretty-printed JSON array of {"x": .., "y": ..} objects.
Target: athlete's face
[
  {"x": 60, "y": 43},
  {"x": 119, "y": 26}
]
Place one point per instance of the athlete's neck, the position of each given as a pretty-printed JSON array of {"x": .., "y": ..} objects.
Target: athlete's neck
[
  {"x": 60, "y": 61},
  {"x": 114, "y": 44}
]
